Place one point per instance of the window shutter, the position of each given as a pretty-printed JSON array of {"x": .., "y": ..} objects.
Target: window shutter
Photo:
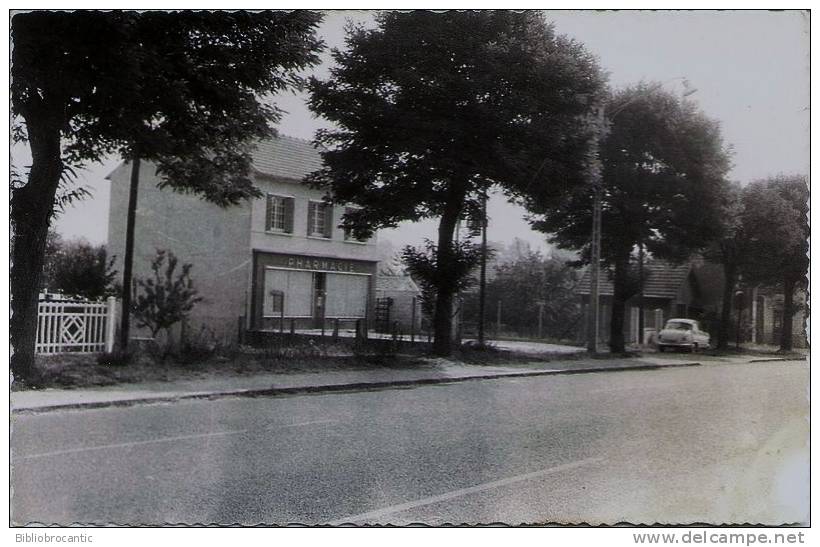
[
  {"x": 311, "y": 215},
  {"x": 289, "y": 215},
  {"x": 268, "y": 211},
  {"x": 328, "y": 220}
]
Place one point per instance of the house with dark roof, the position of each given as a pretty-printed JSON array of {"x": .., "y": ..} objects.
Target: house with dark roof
[
  {"x": 689, "y": 290},
  {"x": 694, "y": 290},
  {"x": 260, "y": 265}
]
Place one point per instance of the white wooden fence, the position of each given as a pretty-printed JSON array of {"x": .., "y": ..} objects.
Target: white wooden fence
[{"x": 76, "y": 326}]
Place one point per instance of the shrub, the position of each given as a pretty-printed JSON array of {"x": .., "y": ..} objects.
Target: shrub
[{"x": 165, "y": 299}]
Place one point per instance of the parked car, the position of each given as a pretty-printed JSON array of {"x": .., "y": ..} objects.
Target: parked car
[{"x": 683, "y": 334}]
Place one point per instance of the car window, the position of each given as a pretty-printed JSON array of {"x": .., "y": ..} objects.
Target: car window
[{"x": 678, "y": 325}]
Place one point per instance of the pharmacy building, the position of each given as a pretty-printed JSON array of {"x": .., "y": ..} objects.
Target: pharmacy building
[{"x": 280, "y": 261}]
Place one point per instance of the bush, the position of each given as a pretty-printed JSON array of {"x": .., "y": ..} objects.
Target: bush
[
  {"x": 166, "y": 298},
  {"x": 198, "y": 348}
]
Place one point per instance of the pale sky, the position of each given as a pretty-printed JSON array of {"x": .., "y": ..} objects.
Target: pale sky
[{"x": 751, "y": 70}]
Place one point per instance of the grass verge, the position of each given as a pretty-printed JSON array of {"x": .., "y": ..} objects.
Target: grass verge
[{"x": 88, "y": 370}]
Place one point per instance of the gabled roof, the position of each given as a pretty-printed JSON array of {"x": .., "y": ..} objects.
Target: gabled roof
[
  {"x": 663, "y": 280},
  {"x": 286, "y": 157},
  {"x": 280, "y": 157}
]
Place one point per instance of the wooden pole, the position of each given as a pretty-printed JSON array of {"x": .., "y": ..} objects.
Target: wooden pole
[
  {"x": 128, "y": 260},
  {"x": 413, "y": 321},
  {"x": 641, "y": 320},
  {"x": 482, "y": 296}
]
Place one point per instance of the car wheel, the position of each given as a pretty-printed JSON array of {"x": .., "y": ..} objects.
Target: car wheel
[
  {"x": 661, "y": 349},
  {"x": 694, "y": 348}
]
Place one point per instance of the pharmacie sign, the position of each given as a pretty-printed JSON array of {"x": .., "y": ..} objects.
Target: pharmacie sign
[{"x": 317, "y": 264}]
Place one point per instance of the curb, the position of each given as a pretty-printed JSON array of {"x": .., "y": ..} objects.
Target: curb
[{"x": 331, "y": 388}]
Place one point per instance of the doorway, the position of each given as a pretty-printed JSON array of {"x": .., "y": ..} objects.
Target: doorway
[{"x": 319, "y": 299}]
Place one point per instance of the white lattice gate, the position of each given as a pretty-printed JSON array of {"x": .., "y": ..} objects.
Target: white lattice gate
[{"x": 75, "y": 326}]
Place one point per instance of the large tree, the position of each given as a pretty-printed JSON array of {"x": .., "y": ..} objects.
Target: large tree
[
  {"x": 729, "y": 249},
  {"x": 188, "y": 90},
  {"x": 663, "y": 169},
  {"x": 433, "y": 109},
  {"x": 775, "y": 222}
]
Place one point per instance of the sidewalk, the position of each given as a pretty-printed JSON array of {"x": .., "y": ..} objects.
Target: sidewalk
[{"x": 270, "y": 384}]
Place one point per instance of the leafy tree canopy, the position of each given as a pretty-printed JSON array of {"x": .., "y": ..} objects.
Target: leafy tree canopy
[
  {"x": 185, "y": 89},
  {"x": 433, "y": 108},
  {"x": 664, "y": 165},
  {"x": 775, "y": 222}
]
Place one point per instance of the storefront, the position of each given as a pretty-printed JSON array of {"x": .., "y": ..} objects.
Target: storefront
[{"x": 308, "y": 291}]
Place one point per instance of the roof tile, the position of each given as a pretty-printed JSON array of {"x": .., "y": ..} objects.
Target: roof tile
[
  {"x": 286, "y": 157},
  {"x": 663, "y": 280}
]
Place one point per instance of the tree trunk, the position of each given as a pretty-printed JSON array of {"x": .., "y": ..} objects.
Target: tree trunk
[
  {"x": 619, "y": 298},
  {"x": 729, "y": 275},
  {"x": 445, "y": 291},
  {"x": 788, "y": 315},
  {"x": 31, "y": 208}
]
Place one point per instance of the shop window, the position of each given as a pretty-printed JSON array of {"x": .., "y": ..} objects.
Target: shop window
[
  {"x": 346, "y": 295},
  {"x": 288, "y": 290},
  {"x": 319, "y": 219},
  {"x": 279, "y": 215}
]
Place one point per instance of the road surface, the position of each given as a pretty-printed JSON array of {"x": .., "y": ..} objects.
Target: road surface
[{"x": 716, "y": 444}]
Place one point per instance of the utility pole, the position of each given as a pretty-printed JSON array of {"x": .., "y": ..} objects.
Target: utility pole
[
  {"x": 640, "y": 295},
  {"x": 596, "y": 172},
  {"x": 602, "y": 123},
  {"x": 128, "y": 260},
  {"x": 482, "y": 295}
]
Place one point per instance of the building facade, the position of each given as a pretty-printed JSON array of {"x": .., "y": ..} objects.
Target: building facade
[{"x": 277, "y": 262}]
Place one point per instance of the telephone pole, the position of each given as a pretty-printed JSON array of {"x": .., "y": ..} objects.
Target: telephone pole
[
  {"x": 482, "y": 295},
  {"x": 595, "y": 258}
]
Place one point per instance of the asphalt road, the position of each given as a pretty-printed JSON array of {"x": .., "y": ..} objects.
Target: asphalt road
[{"x": 714, "y": 444}]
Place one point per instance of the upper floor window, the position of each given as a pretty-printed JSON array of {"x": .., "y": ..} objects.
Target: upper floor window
[
  {"x": 320, "y": 219},
  {"x": 279, "y": 214}
]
